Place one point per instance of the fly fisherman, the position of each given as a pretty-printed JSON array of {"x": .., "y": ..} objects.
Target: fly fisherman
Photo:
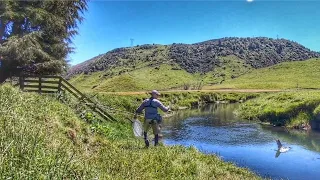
[{"x": 151, "y": 117}]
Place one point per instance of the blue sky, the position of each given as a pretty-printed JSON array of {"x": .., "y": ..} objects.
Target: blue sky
[{"x": 111, "y": 24}]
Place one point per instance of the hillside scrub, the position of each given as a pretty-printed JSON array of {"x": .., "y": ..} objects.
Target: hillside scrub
[
  {"x": 44, "y": 139},
  {"x": 293, "y": 109}
]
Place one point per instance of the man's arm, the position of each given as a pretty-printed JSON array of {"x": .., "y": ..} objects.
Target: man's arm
[{"x": 162, "y": 107}]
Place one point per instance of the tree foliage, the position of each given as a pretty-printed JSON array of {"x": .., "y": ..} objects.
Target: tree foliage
[{"x": 38, "y": 33}]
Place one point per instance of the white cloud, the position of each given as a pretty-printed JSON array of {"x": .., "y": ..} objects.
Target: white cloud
[{"x": 249, "y": 0}]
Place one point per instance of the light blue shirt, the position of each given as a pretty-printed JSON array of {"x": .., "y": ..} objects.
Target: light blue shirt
[{"x": 151, "y": 108}]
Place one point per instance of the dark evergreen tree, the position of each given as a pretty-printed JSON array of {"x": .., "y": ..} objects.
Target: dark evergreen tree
[{"x": 38, "y": 34}]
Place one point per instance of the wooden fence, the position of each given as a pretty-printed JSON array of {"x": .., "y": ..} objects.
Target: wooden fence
[{"x": 57, "y": 84}]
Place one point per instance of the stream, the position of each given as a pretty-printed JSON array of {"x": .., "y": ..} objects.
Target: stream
[{"x": 214, "y": 129}]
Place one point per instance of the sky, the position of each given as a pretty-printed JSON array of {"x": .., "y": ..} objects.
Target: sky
[{"x": 112, "y": 24}]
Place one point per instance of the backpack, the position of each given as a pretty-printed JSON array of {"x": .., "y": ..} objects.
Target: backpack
[{"x": 158, "y": 118}]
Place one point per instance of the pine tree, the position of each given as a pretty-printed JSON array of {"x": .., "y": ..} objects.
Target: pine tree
[{"x": 38, "y": 33}]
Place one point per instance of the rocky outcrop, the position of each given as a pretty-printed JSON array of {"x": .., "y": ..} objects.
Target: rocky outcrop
[{"x": 257, "y": 52}]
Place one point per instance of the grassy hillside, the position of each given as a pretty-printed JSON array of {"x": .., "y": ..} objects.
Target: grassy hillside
[
  {"x": 288, "y": 75},
  {"x": 142, "y": 79},
  {"x": 163, "y": 77},
  {"x": 234, "y": 75},
  {"x": 44, "y": 139},
  {"x": 200, "y": 57}
]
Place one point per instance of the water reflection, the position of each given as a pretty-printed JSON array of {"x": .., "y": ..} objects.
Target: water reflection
[{"x": 215, "y": 129}]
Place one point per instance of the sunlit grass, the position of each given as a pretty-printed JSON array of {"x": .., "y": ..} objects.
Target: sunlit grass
[{"x": 288, "y": 75}]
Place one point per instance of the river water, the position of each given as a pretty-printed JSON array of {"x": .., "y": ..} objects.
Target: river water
[{"x": 215, "y": 129}]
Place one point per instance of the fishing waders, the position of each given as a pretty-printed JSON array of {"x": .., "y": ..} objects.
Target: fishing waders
[{"x": 156, "y": 129}]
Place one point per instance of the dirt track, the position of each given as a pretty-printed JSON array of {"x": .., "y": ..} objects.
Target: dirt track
[{"x": 216, "y": 90}]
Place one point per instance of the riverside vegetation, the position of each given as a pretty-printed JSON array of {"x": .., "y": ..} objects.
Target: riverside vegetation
[
  {"x": 43, "y": 138},
  {"x": 291, "y": 109}
]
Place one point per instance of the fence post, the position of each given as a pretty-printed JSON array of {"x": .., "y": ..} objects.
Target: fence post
[
  {"x": 59, "y": 85},
  {"x": 40, "y": 84},
  {"x": 21, "y": 81}
]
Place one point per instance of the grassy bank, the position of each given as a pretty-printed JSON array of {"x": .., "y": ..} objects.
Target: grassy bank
[
  {"x": 292, "y": 109},
  {"x": 43, "y": 139}
]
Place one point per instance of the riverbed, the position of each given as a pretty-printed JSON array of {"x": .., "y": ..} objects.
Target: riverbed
[{"x": 214, "y": 129}]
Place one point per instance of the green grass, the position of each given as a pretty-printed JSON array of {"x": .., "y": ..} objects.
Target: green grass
[
  {"x": 288, "y": 75},
  {"x": 157, "y": 74},
  {"x": 145, "y": 78},
  {"x": 44, "y": 139},
  {"x": 34, "y": 138},
  {"x": 286, "y": 108}
]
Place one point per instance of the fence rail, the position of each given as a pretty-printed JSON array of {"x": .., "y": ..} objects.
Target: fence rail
[{"x": 57, "y": 84}]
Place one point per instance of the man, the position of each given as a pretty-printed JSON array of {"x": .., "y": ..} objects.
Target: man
[{"x": 152, "y": 118}]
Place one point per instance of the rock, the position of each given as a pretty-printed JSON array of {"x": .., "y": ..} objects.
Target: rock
[{"x": 221, "y": 102}]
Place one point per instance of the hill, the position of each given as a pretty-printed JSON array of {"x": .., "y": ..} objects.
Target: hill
[
  {"x": 200, "y": 57},
  {"x": 287, "y": 75},
  {"x": 182, "y": 65}
]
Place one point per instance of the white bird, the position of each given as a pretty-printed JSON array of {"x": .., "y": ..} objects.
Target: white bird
[{"x": 281, "y": 148}]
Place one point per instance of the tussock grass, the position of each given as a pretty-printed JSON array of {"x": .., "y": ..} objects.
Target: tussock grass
[{"x": 44, "y": 139}]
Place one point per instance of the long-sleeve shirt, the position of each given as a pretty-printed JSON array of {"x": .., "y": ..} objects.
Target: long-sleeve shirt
[{"x": 151, "y": 108}]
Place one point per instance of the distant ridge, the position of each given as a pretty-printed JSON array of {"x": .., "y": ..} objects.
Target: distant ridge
[{"x": 200, "y": 57}]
